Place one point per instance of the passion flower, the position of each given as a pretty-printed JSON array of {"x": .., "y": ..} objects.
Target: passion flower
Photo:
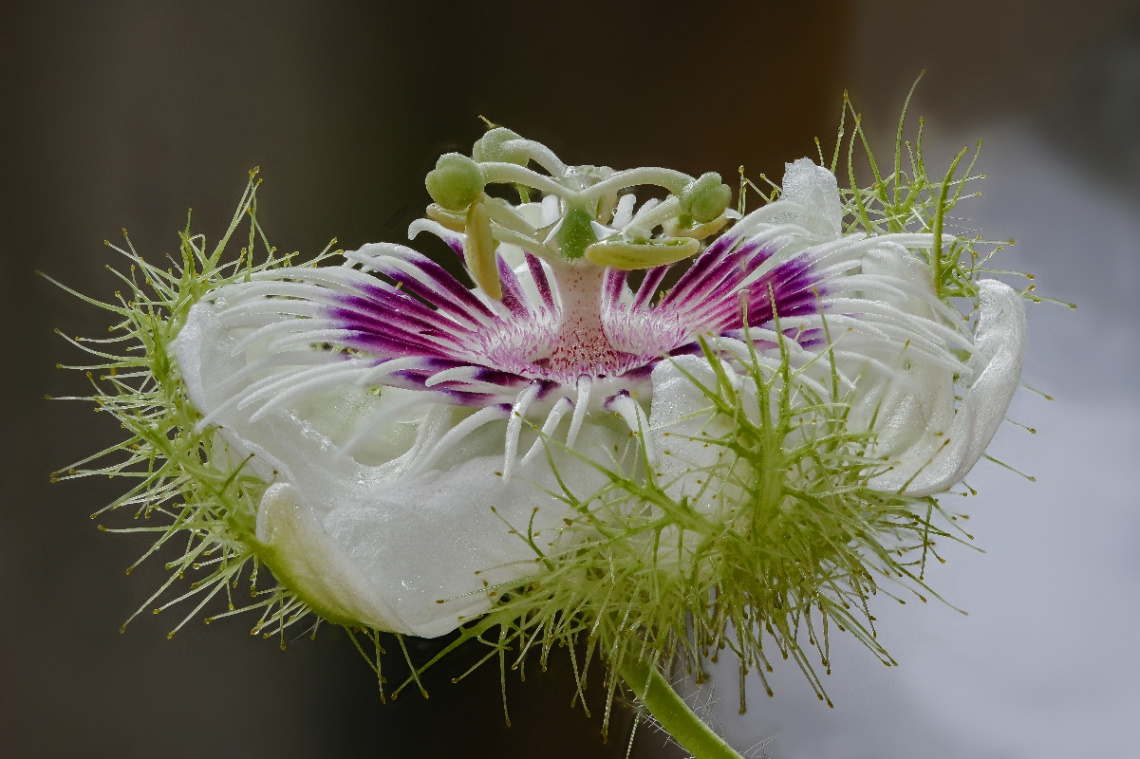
[{"x": 662, "y": 426}]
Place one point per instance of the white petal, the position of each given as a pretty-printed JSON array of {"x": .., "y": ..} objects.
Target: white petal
[
  {"x": 681, "y": 420},
  {"x": 432, "y": 544},
  {"x": 814, "y": 187},
  {"x": 360, "y": 534},
  {"x": 942, "y": 457},
  {"x": 913, "y": 397},
  {"x": 306, "y": 559}
]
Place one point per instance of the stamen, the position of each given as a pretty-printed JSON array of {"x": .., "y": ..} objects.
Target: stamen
[
  {"x": 628, "y": 255},
  {"x": 480, "y": 252}
]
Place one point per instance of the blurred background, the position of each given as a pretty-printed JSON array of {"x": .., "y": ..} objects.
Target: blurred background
[{"x": 122, "y": 113}]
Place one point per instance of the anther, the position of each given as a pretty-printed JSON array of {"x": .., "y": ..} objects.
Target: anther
[
  {"x": 479, "y": 252},
  {"x": 623, "y": 254}
]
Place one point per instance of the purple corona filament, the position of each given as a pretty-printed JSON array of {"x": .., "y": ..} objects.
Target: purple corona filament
[{"x": 409, "y": 323}]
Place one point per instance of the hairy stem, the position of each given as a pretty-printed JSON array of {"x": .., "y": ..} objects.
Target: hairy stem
[{"x": 672, "y": 712}]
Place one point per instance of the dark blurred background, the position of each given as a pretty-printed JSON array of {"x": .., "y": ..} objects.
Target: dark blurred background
[{"x": 121, "y": 113}]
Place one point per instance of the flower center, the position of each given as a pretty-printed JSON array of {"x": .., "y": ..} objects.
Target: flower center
[
  {"x": 584, "y": 225},
  {"x": 581, "y": 345}
]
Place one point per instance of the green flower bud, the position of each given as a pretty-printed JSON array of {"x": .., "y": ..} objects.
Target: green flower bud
[
  {"x": 455, "y": 182},
  {"x": 492, "y": 147},
  {"x": 706, "y": 197}
]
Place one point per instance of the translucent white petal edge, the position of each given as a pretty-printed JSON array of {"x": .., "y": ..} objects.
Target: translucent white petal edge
[
  {"x": 992, "y": 375},
  {"x": 816, "y": 189},
  {"x": 681, "y": 418},
  {"x": 307, "y": 559}
]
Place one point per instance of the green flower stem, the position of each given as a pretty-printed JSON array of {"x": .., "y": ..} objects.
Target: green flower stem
[{"x": 672, "y": 712}]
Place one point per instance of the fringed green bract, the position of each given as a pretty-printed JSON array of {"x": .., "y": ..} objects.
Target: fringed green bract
[{"x": 185, "y": 479}]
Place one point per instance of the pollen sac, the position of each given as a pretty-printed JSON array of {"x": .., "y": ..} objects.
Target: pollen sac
[
  {"x": 674, "y": 227},
  {"x": 455, "y": 182},
  {"x": 479, "y": 253},
  {"x": 495, "y": 146},
  {"x": 631, "y": 255},
  {"x": 706, "y": 197}
]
